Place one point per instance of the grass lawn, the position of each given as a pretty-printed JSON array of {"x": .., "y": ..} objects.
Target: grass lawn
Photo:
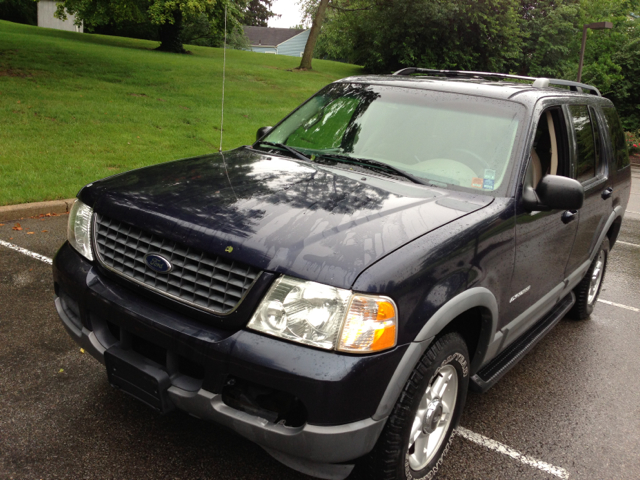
[{"x": 77, "y": 107}]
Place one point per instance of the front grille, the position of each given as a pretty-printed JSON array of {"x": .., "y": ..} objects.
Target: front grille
[{"x": 207, "y": 281}]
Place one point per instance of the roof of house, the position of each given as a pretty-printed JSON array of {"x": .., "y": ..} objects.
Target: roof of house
[{"x": 270, "y": 36}]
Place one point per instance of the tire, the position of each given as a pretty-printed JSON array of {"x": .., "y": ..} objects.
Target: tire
[
  {"x": 395, "y": 456},
  {"x": 588, "y": 289}
]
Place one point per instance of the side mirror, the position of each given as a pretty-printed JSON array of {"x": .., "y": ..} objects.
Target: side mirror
[
  {"x": 554, "y": 193},
  {"x": 262, "y": 132}
]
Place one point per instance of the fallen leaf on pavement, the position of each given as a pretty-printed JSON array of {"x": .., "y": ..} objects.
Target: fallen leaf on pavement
[
  {"x": 30, "y": 233},
  {"x": 45, "y": 231},
  {"x": 17, "y": 227},
  {"x": 1, "y": 224}
]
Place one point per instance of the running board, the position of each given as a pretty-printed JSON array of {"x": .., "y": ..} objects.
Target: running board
[{"x": 493, "y": 371}]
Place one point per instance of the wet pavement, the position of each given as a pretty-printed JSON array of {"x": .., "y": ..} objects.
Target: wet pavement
[{"x": 572, "y": 402}]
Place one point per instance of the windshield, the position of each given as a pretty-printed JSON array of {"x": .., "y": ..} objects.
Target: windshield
[{"x": 454, "y": 139}]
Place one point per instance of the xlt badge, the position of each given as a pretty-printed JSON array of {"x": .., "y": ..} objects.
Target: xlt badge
[{"x": 520, "y": 293}]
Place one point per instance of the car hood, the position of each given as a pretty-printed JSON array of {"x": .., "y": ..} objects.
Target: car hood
[{"x": 279, "y": 214}]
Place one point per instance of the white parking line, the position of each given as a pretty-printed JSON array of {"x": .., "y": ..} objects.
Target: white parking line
[
  {"x": 510, "y": 452},
  {"x": 627, "y": 243},
  {"x": 37, "y": 256},
  {"x": 619, "y": 305},
  {"x": 463, "y": 432}
]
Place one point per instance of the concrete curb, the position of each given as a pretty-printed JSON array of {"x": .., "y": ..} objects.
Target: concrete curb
[{"x": 16, "y": 212}]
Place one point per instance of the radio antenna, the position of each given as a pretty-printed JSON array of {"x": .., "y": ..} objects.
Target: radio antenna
[{"x": 224, "y": 64}]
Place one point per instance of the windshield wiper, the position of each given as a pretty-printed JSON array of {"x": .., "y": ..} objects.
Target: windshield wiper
[
  {"x": 375, "y": 163},
  {"x": 293, "y": 151}
]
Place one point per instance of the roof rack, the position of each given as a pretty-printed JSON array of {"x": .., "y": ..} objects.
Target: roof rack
[{"x": 538, "y": 82}]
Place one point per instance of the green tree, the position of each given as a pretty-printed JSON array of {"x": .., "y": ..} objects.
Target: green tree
[
  {"x": 170, "y": 16},
  {"x": 611, "y": 59},
  {"x": 19, "y": 11},
  {"x": 258, "y": 13},
  {"x": 384, "y": 36},
  {"x": 316, "y": 26},
  {"x": 549, "y": 30}
]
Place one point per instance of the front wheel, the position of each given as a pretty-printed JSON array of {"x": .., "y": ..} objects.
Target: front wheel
[
  {"x": 588, "y": 289},
  {"x": 418, "y": 432}
]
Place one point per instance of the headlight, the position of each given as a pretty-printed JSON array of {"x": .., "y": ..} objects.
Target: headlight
[
  {"x": 326, "y": 317},
  {"x": 79, "y": 228}
]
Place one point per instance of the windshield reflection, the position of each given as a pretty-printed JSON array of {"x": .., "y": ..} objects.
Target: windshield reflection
[{"x": 444, "y": 138}]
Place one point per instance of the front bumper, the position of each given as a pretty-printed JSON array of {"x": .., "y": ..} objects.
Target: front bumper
[{"x": 340, "y": 393}]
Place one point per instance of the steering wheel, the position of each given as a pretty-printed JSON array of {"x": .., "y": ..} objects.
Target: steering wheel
[{"x": 478, "y": 160}]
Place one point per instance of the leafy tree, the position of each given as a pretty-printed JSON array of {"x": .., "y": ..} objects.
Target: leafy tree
[
  {"x": 258, "y": 13},
  {"x": 550, "y": 29},
  {"x": 170, "y": 16},
  {"x": 612, "y": 61},
  {"x": 305, "y": 63},
  {"x": 19, "y": 11},
  {"x": 384, "y": 36}
]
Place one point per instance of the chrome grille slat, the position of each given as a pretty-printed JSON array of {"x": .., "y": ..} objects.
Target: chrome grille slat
[{"x": 207, "y": 281}]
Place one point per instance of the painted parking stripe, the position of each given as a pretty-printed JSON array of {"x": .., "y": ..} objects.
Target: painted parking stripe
[
  {"x": 463, "y": 432},
  {"x": 627, "y": 243},
  {"x": 619, "y": 305},
  {"x": 29, "y": 253},
  {"x": 510, "y": 452}
]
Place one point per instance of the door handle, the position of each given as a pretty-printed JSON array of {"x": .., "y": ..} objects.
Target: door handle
[
  {"x": 607, "y": 193},
  {"x": 569, "y": 216}
]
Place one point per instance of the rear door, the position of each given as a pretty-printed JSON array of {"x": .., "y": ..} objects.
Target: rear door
[{"x": 592, "y": 171}]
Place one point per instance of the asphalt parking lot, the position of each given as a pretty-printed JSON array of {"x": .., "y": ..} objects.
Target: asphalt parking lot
[{"x": 569, "y": 409}]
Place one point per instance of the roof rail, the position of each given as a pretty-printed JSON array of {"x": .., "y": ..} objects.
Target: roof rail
[{"x": 538, "y": 82}]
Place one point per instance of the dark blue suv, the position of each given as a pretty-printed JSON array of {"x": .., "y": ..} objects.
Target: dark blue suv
[{"x": 332, "y": 291}]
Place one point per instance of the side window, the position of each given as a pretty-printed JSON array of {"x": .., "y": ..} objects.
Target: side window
[
  {"x": 597, "y": 139},
  {"x": 616, "y": 134},
  {"x": 586, "y": 152},
  {"x": 549, "y": 151}
]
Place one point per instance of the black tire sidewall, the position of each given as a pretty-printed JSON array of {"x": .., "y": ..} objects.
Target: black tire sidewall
[{"x": 455, "y": 354}]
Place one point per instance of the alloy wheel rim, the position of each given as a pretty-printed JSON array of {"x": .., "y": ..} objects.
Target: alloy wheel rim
[
  {"x": 596, "y": 278},
  {"x": 433, "y": 418}
]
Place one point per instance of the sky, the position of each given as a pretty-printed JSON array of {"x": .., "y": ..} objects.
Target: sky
[{"x": 290, "y": 12}]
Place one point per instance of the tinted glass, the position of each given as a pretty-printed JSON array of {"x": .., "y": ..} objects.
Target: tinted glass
[
  {"x": 452, "y": 139},
  {"x": 597, "y": 138},
  {"x": 584, "y": 140},
  {"x": 619, "y": 144}
]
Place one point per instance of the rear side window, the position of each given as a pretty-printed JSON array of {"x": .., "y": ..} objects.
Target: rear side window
[
  {"x": 586, "y": 152},
  {"x": 618, "y": 142}
]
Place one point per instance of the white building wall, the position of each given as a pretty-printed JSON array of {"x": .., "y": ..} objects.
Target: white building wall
[
  {"x": 46, "y": 9},
  {"x": 294, "y": 47}
]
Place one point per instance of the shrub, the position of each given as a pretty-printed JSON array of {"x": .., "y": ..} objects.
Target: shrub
[{"x": 633, "y": 142}]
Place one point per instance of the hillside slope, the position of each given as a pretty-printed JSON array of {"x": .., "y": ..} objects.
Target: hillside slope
[{"x": 77, "y": 107}]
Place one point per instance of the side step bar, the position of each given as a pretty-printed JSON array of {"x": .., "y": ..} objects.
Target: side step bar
[{"x": 488, "y": 375}]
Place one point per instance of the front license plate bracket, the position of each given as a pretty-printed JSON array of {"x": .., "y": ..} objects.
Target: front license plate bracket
[{"x": 139, "y": 377}]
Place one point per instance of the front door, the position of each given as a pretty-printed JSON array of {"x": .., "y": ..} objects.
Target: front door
[{"x": 544, "y": 240}]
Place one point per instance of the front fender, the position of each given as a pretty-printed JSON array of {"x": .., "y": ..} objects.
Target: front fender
[{"x": 461, "y": 303}]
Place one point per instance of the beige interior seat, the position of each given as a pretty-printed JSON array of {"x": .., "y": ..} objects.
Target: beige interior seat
[
  {"x": 553, "y": 170},
  {"x": 535, "y": 159},
  {"x": 537, "y": 167}
]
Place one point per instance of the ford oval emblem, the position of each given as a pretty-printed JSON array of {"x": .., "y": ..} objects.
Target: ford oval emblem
[{"x": 157, "y": 263}]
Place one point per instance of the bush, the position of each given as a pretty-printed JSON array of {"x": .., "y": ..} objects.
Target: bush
[{"x": 633, "y": 142}]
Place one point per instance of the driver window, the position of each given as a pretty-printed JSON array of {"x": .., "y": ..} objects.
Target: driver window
[{"x": 548, "y": 153}]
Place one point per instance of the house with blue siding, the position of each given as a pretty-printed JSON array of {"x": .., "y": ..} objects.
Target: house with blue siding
[{"x": 279, "y": 41}]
